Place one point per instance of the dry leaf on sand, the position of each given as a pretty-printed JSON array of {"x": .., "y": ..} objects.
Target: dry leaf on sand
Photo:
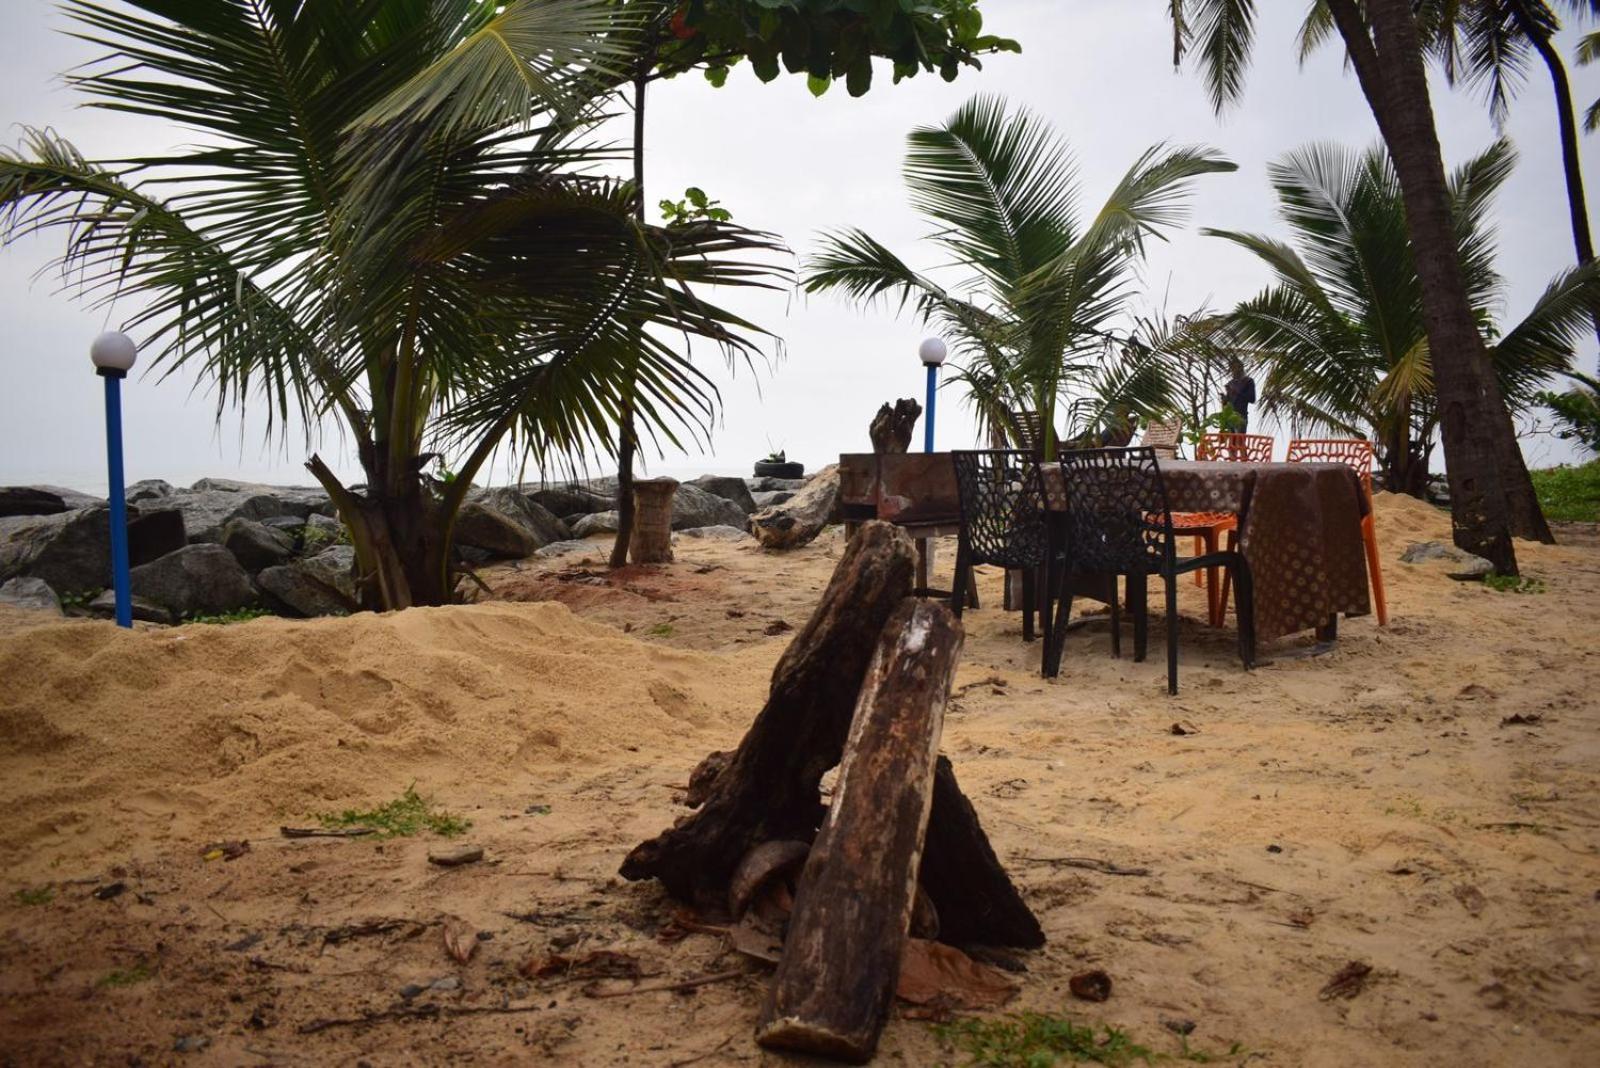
[
  {"x": 460, "y": 940},
  {"x": 934, "y": 974}
]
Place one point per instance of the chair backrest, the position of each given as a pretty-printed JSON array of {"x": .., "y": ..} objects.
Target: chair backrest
[
  {"x": 1357, "y": 453},
  {"x": 1002, "y": 506},
  {"x": 1236, "y": 448},
  {"x": 1117, "y": 515},
  {"x": 1163, "y": 438},
  {"x": 1026, "y": 431}
]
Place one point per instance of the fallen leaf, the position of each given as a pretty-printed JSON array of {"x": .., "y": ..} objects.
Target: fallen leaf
[
  {"x": 1091, "y": 986},
  {"x": 1348, "y": 981},
  {"x": 225, "y": 850},
  {"x": 936, "y": 975},
  {"x": 460, "y": 940},
  {"x": 597, "y": 964},
  {"x": 754, "y": 940}
]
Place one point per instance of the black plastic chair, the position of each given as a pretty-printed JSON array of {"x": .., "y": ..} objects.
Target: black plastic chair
[
  {"x": 1118, "y": 523},
  {"x": 1002, "y": 523}
]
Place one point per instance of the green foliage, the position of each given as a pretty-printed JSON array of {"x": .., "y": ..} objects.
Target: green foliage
[
  {"x": 1221, "y": 421},
  {"x": 660, "y": 630},
  {"x": 122, "y": 977},
  {"x": 407, "y": 815},
  {"x": 38, "y": 895},
  {"x": 78, "y": 599},
  {"x": 694, "y": 207},
  {"x": 1514, "y": 584},
  {"x": 825, "y": 39},
  {"x": 1577, "y": 411},
  {"x": 1034, "y": 323},
  {"x": 238, "y": 615},
  {"x": 1039, "y": 1040},
  {"x": 1569, "y": 494}
]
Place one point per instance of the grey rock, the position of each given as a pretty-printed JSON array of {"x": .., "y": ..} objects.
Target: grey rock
[
  {"x": 335, "y": 566},
  {"x": 1465, "y": 564},
  {"x": 718, "y": 533},
  {"x": 572, "y": 499},
  {"x": 562, "y": 548},
  {"x": 728, "y": 488},
  {"x": 797, "y": 521},
  {"x": 321, "y": 530},
  {"x": 149, "y": 489},
  {"x": 72, "y": 550},
  {"x": 26, "y": 592},
  {"x": 195, "y": 580},
  {"x": 256, "y": 545},
  {"x": 694, "y": 507},
  {"x": 298, "y": 590},
  {"x": 211, "y": 502},
  {"x": 767, "y": 484},
  {"x": 505, "y": 523},
  {"x": 599, "y": 523},
  {"x": 144, "y": 610},
  {"x": 289, "y": 524},
  {"x": 768, "y": 498},
  {"x": 30, "y": 500}
]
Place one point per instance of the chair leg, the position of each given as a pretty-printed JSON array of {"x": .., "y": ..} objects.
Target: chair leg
[
  {"x": 1116, "y": 620},
  {"x": 1369, "y": 534},
  {"x": 923, "y": 550},
  {"x": 1200, "y": 541},
  {"x": 1227, "y": 580},
  {"x": 1246, "y": 609},
  {"x": 1213, "y": 613},
  {"x": 1171, "y": 583},
  {"x": 1047, "y": 591},
  {"x": 1058, "y": 636},
  {"x": 963, "y": 575},
  {"x": 1030, "y": 601},
  {"x": 972, "y": 588},
  {"x": 1139, "y": 605}
]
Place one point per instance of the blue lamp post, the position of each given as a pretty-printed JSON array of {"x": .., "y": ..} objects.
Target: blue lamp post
[
  {"x": 113, "y": 355},
  {"x": 932, "y": 353}
]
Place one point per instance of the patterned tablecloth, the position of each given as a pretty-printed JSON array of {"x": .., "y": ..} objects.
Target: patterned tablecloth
[{"x": 1299, "y": 530}]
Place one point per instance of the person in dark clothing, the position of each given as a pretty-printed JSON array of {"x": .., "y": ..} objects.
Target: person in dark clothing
[{"x": 1239, "y": 393}]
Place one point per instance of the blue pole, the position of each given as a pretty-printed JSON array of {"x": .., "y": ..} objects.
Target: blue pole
[
  {"x": 119, "y": 504},
  {"x": 927, "y": 428}
]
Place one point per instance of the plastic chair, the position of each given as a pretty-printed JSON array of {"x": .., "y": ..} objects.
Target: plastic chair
[
  {"x": 1207, "y": 528},
  {"x": 1118, "y": 523},
  {"x": 1164, "y": 438},
  {"x": 1003, "y": 519},
  {"x": 1235, "y": 448},
  {"x": 1361, "y": 455}
]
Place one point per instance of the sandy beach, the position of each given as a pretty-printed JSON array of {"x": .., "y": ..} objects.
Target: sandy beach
[{"x": 1423, "y": 799}]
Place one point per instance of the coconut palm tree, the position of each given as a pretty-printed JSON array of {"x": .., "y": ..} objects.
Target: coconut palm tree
[
  {"x": 391, "y": 220},
  {"x": 1490, "y": 490},
  {"x": 1047, "y": 285},
  {"x": 1341, "y": 334}
]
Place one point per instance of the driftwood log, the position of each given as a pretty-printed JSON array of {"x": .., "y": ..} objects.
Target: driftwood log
[
  {"x": 651, "y": 539},
  {"x": 891, "y": 428},
  {"x": 853, "y": 906},
  {"x": 769, "y": 787}
]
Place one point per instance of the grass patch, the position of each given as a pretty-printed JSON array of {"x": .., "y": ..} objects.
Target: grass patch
[
  {"x": 238, "y": 615},
  {"x": 1514, "y": 584},
  {"x": 121, "y": 977},
  {"x": 406, "y": 815},
  {"x": 39, "y": 895},
  {"x": 1039, "y": 1040},
  {"x": 1569, "y": 494},
  {"x": 660, "y": 630}
]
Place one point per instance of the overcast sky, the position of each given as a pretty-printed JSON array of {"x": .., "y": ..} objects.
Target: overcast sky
[{"x": 1100, "y": 70}]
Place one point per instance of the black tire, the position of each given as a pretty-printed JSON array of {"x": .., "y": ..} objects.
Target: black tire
[{"x": 770, "y": 469}]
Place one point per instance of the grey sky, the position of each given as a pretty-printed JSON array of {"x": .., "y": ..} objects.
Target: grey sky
[{"x": 780, "y": 160}]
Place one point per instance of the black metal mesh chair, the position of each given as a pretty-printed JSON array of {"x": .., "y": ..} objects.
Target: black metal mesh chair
[
  {"x": 1002, "y": 522},
  {"x": 1118, "y": 523}
]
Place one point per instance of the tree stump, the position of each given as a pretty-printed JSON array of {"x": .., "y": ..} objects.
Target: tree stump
[
  {"x": 651, "y": 540},
  {"x": 892, "y": 428},
  {"x": 841, "y": 959}
]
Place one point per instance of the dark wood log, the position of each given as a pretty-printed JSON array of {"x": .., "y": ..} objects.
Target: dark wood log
[
  {"x": 892, "y": 428},
  {"x": 771, "y": 787},
  {"x": 975, "y": 898},
  {"x": 841, "y": 959}
]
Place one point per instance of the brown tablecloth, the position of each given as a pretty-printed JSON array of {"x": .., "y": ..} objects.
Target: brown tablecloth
[{"x": 1299, "y": 530}]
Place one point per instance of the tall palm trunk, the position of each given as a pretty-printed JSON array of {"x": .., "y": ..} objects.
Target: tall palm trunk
[
  {"x": 627, "y": 438},
  {"x": 1476, "y": 425},
  {"x": 1567, "y": 120}
]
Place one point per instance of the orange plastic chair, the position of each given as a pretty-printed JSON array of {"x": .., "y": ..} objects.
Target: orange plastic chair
[
  {"x": 1236, "y": 448},
  {"x": 1209, "y": 527},
  {"x": 1360, "y": 455}
]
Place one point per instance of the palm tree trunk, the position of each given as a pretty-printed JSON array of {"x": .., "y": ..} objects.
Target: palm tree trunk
[
  {"x": 1567, "y": 120},
  {"x": 627, "y": 443},
  {"x": 1477, "y": 429}
]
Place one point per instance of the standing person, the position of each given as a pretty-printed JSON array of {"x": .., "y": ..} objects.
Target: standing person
[{"x": 1239, "y": 393}]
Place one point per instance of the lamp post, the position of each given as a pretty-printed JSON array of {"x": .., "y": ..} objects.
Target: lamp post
[
  {"x": 932, "y": 353},
  {"x": 113, "y": 355}
]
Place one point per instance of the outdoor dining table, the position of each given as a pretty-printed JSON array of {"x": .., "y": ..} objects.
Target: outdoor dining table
[{"x": 1299, "y": 524}]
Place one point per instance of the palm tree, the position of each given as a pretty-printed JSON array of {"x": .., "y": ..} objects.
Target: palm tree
[
  {"x": 1341, "y": 334},
  {"x": 1033, "y": 321},
  {"x": 390, "y": 222},
  {"x": 1491, "y": 493}
]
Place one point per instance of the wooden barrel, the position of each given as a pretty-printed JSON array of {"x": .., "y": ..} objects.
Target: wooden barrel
[{"x": 651, "y": 542}]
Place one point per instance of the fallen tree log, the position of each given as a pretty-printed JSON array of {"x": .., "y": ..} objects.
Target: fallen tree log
[
  {"x": 771, "y": 787},
  {"x": 841, "y": 959}
]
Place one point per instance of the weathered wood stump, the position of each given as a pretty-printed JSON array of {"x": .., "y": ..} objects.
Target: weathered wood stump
[
  {"x": 841, "y": 959},
  {"x": 651, "y": 540},
  {"x": 891, "y": 428}
]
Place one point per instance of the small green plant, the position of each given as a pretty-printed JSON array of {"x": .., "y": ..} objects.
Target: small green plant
[
  {"x": 1039, "y": 1040},
  {"x": 121, "y": 977},
  {"x": 1222, "y": 421},
  {"x": 1577, "y": 411},
  {"x": 238, "y": 615},
  {"x": 660, "y": 630},
  {"x": 409, "y": 814},
  {"x": 694, "y": 207},
  {"x": 1514, "y": 583},
  {"x": 1569, "y": 494},
  {"x": 777, "y": 456},
  {"x": 78, "y": 600},
  {"x": 39, "y": 895}
]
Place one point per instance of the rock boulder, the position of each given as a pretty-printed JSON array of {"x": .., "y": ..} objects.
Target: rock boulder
[
  {"x": 797, "y": 521},
  {"x": 598, "y": 523},
  {"x": 505, "y": 523},
  {"x": 256, "y": 545},
  {"x": 195, "y": 580},
  {"x": 72, "y": 550},
  {"x": 30, "y": 593},
  {"x": 695, "y": 507},
  {"x": 729, "y": 489}
]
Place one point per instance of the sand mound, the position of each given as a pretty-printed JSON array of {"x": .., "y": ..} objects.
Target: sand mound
[
  {"x": 105, "y": 733},
  {"x": 1403, "y": 519}
]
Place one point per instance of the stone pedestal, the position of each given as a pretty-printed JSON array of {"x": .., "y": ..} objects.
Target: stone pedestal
[{"x": 651, "y": 542}]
